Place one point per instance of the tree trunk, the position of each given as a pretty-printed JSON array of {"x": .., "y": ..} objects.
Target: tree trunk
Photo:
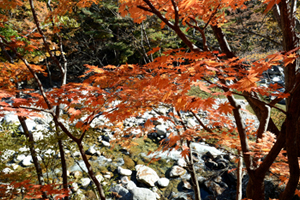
[
  {"x": 239, "y": 178},
  {"x": 33, "y": 153},
  {"x": 90, "y": 171},
  {"x": 255, "y": 188},
  {"x": 64, "y": 167},
  {"x": 195, "y": 182}
]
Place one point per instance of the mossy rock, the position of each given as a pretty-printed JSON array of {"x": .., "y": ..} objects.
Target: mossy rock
[
  {"x": 128, "y": 162},
  {"x": 90, "y": 195},
  {"x": 140, "y": 162}
]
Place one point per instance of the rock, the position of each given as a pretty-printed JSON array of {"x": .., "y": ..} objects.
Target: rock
[
  {"x": 186, "y": 185},
  {"x": 27, "y": 161},
  {"x": 30, "y": 125},
  {"x": 192, "y": 122},
  {"x": 124, "y": 172},
  {"x": 108, "y": 175},
  {"x": 204, "y": 148},
  {"x": 211, "y": 164},
  {"x": 85, "y": 182},
  {"x": 11, "y": 119},
  {"x": 130, "y": 185},
  {"x": 19, "y": 158},
  {"x": 37, "y": 135},
  {"x": 177, "y": 171},
  {"x": 106, "y": 138},
  {"x": 181, "y": 196},
  {"x": 76, "y": 154},
  {"x": 142, "y": 194},
  {"x": 161, "y": 130},
  {"x": 24, "y": 149},
  {"x": 76, "y": 174},
  {"x": 181, "y": 162},
  {"x": 218, "y": 179},
  {"x": 146, "y": 175},
  {"x": 91, "y": 151},
  {"x": 222, "y": 165},
  {"x": 186, "y": 176},
  {"x": 163, "y": 182},
  {"x": 80, "y": 195},
  {"x": 49, "y": 153},
  {"x": 7, "y": 170},
  {"x": 136, "y": 131},
  {"x": 100, "y": 178},
  {"x": 201, "y": 179},
  {"x": 74, "y": 187},
  {"x": 106, "y": 144},
  {"x": 7, "y": 154},
  {"x": 214, "y": 187},
  {"x": 14, "y": 166},
  {"x": 128, "y": 162},
  {"x": 120, "y": 190}
]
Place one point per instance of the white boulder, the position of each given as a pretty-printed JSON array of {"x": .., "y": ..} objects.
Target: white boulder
[
  {"x": 177, "y": 171},
  {"x": 124, "y": 172},
  {"x": 146, "y": 175},
  {"x": 163, "y": 182}
]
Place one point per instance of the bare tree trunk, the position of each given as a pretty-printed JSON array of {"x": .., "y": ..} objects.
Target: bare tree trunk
[
  {"x": 33, "y": 153},
  {"x": 90, "y": 171},
  {"x": 64, "y": 167},
  {"x": 239, "y": 178}
]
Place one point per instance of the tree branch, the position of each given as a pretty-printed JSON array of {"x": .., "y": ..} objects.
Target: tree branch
[{"x": 175, "y": 27}]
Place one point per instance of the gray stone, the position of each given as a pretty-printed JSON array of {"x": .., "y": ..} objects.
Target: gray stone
[
  {"x": 130, "y": 185},
  {"x": 142, "y": 194},
  {"x": 211, "y": 164},
  {"x": 181, "y": 196},
  {"x": 161, "y": 129},
  {"x": 214, "y": 187},
  {"x": 120, "y": 190}
]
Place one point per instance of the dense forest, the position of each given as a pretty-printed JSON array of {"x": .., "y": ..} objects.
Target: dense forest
[{"x": 89, "y": 87}]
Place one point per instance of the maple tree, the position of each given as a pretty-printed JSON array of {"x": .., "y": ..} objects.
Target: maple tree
[
  {"x": 164, "y": 81},
  {"x": 205, "y": 64}
]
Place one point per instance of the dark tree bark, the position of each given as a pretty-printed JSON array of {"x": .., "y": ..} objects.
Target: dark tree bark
[{"x": 33, "y": 153}]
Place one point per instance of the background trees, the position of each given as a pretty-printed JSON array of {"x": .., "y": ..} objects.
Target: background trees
[{"x": 65, "y": 35}]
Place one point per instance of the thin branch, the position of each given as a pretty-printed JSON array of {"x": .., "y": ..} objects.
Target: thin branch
[
  {"x": 205, "y": 48},
  {"x": 212, "y": 15},
  {"x": 176, "y": 13},
  {"x": 44, "y": 37},
  {"x": 180, "y": 34},
  {"x": 201, "y": 123}
]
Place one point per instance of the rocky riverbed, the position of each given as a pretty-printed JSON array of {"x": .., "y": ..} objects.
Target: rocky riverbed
[{"x": 126, "y": 173}]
